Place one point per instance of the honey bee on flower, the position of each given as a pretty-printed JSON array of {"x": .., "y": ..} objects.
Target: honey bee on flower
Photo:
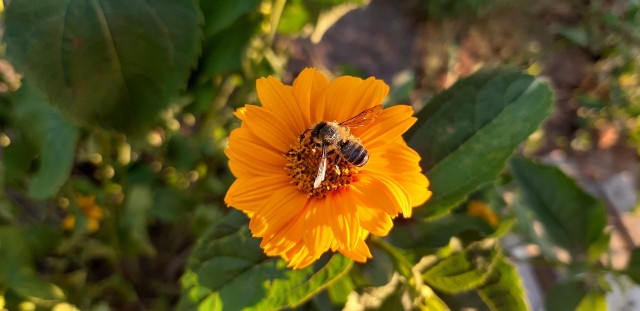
[
  {"x": 336, "y": 136},
  {"x": 332, "y": 169}
]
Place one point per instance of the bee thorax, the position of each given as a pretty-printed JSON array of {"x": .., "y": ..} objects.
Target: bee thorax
[{"x": 328, "y": 133}]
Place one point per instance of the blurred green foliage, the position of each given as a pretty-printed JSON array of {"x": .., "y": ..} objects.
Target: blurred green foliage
[{"x": 113, "y": 173}]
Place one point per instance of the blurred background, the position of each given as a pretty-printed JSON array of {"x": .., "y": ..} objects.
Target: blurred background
[{"x": 588, "y": 50}]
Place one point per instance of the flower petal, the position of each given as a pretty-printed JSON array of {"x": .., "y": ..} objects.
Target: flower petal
[
  {"x": 287, "y": 237},
  {"x": 319, "y": 234},
  {"x": 390, "y": 125},
  {"x": 248, "y": 194},
  {"x": 374, "y": 220},
  {"x": 279, "y": 99},
  {"x": 246, "y": 159},
  {"x": 343, "y": 219},
  {"x": 277, "y": 210},
  {"x": 374, "y": 193},
  {"x": 301, "y": 258},
  {"x": 401, "y": 163},
  {"x": 360, "y": 253},
  {"x": 347, "y": 96},
  {"x": 268, "y": 127},
  {"x": 416, "y": 185},
  {"x": 305, "y": 89},
  {"x": 400, "y": 194}
]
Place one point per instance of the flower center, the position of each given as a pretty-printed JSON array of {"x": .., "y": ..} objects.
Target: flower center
[{"x": 304, "y": 160}]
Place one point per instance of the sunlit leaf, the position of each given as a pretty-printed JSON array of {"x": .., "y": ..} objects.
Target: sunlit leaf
[
  {"x": 53, "y": 136},
  {"x": 228, "y": 261},
  {"x": 503, "y": 289},
  {"x": 116, "y": 62},
  {"x": 466, "y": 133},
  {"x": 571, "y": 218},
  {"x": 431, "y": 301},
  {"x": 318, "y": 16},
  {"x": 294, "y": 17},
  {"x": 593, "y": 301},
  {"x": 462, "y": 271},
  {"x": 477, "y": 272}
]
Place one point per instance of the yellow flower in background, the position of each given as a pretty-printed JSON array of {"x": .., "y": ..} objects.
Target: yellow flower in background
[
  {"x": 90, "y": 209},
  {"x": 63, "y": 306},
  {"x": 481, "y": 210},
  {"x": 276, "y": 156}
]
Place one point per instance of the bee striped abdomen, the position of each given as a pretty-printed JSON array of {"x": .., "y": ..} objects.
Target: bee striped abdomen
[{"x": 354, "y": 153}]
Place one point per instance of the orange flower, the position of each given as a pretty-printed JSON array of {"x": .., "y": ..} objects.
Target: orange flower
[
  {"x": 481, "y": 210},
  {"x": 275, "y": 160},
  {"x": 90, "y": 209}
]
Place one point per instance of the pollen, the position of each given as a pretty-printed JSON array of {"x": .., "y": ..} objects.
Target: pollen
[{"x": 302, "y": 166}]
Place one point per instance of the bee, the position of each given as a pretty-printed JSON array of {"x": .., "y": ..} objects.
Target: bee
[{"x": 336, "y": 136}]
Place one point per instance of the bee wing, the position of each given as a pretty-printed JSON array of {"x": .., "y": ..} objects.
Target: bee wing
[
  {"x": 363, "y": 118},
  {"x": 322, "y": 168}
]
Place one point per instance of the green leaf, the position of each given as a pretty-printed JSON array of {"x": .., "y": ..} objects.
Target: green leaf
[
  {"x": 437, "y": 232},
  {"x": 16, "y": 269},
  {"x": 227, "y": 261},
  {"x": 377, "y": 271},
  {"x": 466, "y": 133},
  {"x": 319, "y": 16},
  {"x": 53, "y": 136},
  {"x": 593, "y": 301},
  {"x": 526, "y": 228},
  {"x": 28, "y": 285},
  {"x": 339, "y": 291},
  {"x": 571, "y": 218},
  {"x": 132, "y": 227},
  {"x": 503, "y": 289},
  {"x": 221, "y": 14},
  {"x": 225, "y": 52},
  {"x": 115, "y": 62},
  {"x": 169, "y": 204},
  {"x": 476, "y": 278},
  {"x": 633, "y": 266},
  {"x": 431, "y": 301},
  {"x": 565, "y": 296},
  {"x": 577, "y": 35},
  {"x": 17, "y": 158},
  {"x": 228, "y": 30},
  {"x": 294, "y": 17},
  {"x": 462, "y": 271}
]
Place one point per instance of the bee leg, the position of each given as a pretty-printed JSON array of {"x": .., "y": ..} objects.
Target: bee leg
[{"x": 335, "y": 164}]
